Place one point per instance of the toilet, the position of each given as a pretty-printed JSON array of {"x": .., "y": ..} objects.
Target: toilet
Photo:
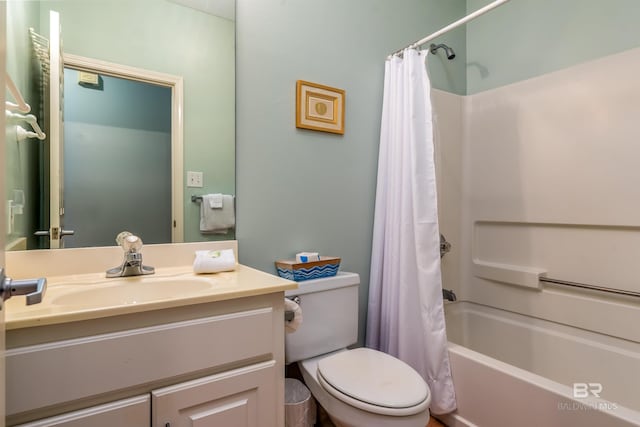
[{"x": 359, "y": 387}]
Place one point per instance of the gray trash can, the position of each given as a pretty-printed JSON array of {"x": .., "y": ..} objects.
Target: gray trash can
[{"x": 299, "y": 406}]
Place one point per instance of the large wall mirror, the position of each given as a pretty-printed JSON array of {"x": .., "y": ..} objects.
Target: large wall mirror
[{"x": 148, "y": 95}]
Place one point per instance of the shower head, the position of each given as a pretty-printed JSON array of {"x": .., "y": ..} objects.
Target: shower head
[{"x": 450, "y": 53}]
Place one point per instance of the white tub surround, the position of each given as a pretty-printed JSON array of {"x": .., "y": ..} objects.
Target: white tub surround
[
  {"x": 550, "y": 188},
  {"x": 538, "y": 181}
]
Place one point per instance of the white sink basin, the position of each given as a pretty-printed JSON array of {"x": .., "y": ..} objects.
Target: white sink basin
[{"x": 125, "y": 292}]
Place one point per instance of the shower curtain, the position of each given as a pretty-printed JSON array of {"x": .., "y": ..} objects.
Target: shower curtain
[{"x": 405, "y": 313}]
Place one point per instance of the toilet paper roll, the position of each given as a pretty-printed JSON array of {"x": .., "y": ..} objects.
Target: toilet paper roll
[{"x": 293, "y": 324}]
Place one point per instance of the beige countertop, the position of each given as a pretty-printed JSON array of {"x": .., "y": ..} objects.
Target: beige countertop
[
  {"x": 90, "y": 296},
  {"x": 78, "y": 290}
]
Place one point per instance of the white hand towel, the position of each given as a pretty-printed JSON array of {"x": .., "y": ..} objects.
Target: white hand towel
[
  {"x": 293, "y": 324},
  {"x": 216, "y": 220},
  {"x": 215, "y": 201},
  {"x": 214, "y": 261}
]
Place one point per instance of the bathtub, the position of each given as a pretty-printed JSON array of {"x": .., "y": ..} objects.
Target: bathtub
[{"x": 514, "y": 370}]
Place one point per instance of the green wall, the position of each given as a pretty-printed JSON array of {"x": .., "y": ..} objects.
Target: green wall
[
  {"x": 526, "y": 38},
  {"x": 173, "y": 39},
  {"x": 304, "y": 190}
]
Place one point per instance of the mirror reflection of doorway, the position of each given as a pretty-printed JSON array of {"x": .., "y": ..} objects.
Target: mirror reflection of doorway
[{"x": 117, "y": 159}]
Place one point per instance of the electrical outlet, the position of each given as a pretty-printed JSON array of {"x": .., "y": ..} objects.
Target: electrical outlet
[{"x": 194, "y": 179}]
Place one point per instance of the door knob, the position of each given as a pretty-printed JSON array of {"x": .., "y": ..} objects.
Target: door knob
[
  {"x": 34, "y": 289},
  {"x": 58, "y": 233}
]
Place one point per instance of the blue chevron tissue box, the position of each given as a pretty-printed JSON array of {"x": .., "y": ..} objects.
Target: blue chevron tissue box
[{"x": 300, "y": 271}]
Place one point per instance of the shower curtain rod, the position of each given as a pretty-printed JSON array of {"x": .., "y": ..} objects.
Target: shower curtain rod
[{"x": 450, "y": 27}]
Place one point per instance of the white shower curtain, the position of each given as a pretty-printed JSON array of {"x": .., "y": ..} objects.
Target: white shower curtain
[{"x": 405, "y": 315}]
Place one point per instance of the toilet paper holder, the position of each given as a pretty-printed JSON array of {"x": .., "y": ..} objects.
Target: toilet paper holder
[{"x": 288, "y": 314}]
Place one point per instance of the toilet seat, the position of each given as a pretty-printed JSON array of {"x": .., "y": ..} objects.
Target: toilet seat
[{"x": 374, "y": 381}]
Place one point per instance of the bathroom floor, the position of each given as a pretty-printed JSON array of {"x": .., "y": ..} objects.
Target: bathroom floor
[
  {"x": 435, "y": 423},
  {"x": 324, "y": 421}
]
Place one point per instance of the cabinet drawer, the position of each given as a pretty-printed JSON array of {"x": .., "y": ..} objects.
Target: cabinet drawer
[
  {"x": 64, "y": 371},
  {"x": 133, "y": 412},
  {"x": 244, "y": 397}
]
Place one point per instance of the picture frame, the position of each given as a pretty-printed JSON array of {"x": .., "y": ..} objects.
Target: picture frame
[{"x": 319, "y": 107}]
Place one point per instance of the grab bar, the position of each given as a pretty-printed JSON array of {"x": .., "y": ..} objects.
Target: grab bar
[{"x": 590, "y": 287}]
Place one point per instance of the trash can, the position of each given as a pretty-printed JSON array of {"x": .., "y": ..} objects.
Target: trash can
[{"x": 299, "y": 406}]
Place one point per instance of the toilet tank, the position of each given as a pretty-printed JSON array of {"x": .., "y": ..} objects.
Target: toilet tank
[{"x": 329, "y": 316}]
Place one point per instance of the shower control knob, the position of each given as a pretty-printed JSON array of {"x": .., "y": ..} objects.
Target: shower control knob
[{"x": 445, "y": 247}]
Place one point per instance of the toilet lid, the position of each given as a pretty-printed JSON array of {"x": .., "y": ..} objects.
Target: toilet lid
[{"x": 374, "y": 377}]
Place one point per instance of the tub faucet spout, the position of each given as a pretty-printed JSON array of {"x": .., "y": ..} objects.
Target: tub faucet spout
[{"x": 448, "y": 295}]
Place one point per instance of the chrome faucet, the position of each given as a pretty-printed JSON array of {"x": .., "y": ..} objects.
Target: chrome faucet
[
  {"x": 449, "y": 295},
  {"x": 132, "y": 264}
]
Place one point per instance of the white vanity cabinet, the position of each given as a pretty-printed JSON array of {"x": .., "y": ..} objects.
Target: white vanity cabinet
[
  {"x": 219, "y": 363},
  {"x": 244, "y": 397},
  {"x": 124, "y": 413}
]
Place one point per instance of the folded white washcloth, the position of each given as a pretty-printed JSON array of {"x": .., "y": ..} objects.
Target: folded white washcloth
[
  {"x": 215, "y": 201},
  {"x": 217, "y": 220},
  {"x": 214, "y": 261}
]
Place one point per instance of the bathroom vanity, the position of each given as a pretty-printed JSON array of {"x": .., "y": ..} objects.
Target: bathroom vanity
[{"x": 202, "y": 350}]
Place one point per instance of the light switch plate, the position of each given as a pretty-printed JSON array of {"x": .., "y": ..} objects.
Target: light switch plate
[
  {"x": 194, "y": 179},
  {"x": 88, "y": 78}
]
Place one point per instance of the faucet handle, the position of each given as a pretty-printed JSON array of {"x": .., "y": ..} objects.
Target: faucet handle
[
  {"x": 132, "y": 264},
  {"x": 131, "y": 243}
]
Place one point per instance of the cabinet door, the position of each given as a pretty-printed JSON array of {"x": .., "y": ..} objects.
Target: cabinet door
[
  {"x": 133, "y": 412},
  {"x": 244, "y": 397}
]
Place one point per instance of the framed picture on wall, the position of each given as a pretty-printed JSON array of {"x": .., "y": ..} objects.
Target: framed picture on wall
[{"x": 319, "y": 107}]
